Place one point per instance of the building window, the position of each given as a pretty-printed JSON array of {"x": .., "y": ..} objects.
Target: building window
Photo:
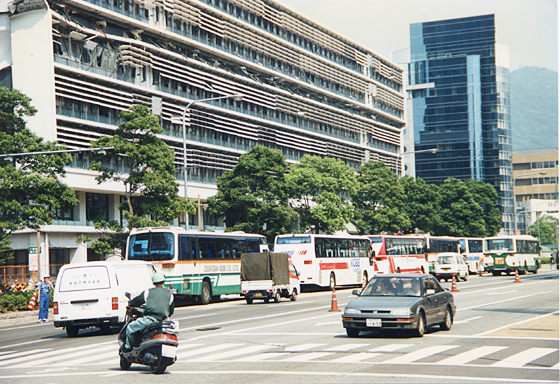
[{"x": 97, "y": 207}]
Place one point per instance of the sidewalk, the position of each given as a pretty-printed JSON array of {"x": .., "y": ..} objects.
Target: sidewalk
[{"x": 21, "y": 317}]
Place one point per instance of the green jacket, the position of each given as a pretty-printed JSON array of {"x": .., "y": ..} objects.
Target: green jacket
[{"x": 159, "y": 303}]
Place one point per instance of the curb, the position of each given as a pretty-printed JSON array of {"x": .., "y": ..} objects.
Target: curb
[{"x": 20, "y": 315}]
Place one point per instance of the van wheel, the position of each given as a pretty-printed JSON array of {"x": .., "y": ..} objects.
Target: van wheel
[
  {"x": 277, "y": 296},
  {"x": 205, "y": 293},
  {"x": 72, "y": 331}
]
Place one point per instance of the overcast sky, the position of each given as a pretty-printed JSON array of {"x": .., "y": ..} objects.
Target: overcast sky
[{"x": 528, "y": 27}]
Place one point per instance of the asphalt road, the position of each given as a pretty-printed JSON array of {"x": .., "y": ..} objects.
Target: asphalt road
[{"x": 503, "y": 332}]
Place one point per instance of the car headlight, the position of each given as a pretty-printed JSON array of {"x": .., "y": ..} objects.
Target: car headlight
[
  {"x": 351, "y": 310},
  {"x": 401, "y": 311}
]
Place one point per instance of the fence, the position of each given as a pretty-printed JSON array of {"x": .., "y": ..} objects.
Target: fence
[{"x": 13, "y": 274}]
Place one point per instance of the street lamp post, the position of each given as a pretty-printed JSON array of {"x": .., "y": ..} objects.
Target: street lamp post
[
  {"x": 236, "y": 98},
  {"x": 514, "y": 199},
  {"x": 431, "y": 150}
]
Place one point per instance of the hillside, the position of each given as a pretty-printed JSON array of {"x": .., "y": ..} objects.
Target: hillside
[{"x": 534, "y": 108}]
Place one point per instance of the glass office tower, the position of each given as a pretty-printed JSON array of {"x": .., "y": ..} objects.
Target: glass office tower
[{"x": 459, "y": 86}]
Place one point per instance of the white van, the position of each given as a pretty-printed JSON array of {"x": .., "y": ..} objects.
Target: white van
[{"x": 92, "y": 294}]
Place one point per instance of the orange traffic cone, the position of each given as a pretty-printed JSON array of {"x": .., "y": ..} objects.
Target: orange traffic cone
[
  {"x": 454, "y": 285},
  {"x": 517, "y": 277},
  {"x": 31, "y": 305},
  {"x": 334, "y": 304}
]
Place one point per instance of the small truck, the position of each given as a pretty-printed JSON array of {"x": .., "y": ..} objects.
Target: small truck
[{"x": 268, "y": 276}]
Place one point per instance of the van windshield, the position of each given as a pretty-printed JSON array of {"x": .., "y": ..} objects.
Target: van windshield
[{"x": 84, "y": 278}]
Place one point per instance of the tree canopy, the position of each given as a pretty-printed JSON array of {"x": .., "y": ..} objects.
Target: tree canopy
[
  {"x": 31, "y": 190},
  {"x": 318, "y": 186},
  {"x": 254, "y": 196},
  {"x": 144, "y": 165}
]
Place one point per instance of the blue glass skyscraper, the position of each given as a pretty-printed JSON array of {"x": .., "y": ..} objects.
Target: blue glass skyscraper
[{"x": 460, "y": 105}]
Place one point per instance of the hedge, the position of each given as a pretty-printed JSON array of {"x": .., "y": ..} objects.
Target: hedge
[{"x": 18, "y": 301}]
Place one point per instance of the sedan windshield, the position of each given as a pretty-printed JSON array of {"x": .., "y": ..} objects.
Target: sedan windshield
[{"x": 393, "y": 286}]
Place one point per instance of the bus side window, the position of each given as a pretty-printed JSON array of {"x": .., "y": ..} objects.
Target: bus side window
[{"x": 184, "y": 250}]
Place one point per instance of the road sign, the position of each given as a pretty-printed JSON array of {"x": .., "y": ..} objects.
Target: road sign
[{"x": 33, "y": 259}]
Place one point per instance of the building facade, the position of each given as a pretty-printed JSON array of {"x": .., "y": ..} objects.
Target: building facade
[
  {"x": 305, "y": 90},
  {"x": 535, "y": 174},
  {"x": 458, "y": 83}
]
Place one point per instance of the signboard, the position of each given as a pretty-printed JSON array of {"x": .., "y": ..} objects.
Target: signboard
[{"x": 33, "y": 259}]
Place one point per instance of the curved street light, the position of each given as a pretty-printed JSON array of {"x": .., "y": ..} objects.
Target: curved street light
[
  {"x": 236, "y": 98},
  {"x": 431, "y": 150}
]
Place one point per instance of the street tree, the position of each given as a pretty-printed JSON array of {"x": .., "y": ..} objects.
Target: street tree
[
  {"x": 487, "y": 197},
  {"x": 254, "y": 196},
  {"x": 31, "y": 190},
  {"x": 379, "y": 201},
  {"x": 144, "y": 165},
  {"x": 321, "y": 187},
  {"x": 545, "y": 228},
  {"x": 422, "y": 204},
  {"x": 460, "y": 214}
]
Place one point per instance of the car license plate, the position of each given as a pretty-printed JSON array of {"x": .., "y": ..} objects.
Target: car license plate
[
  {"x": 373, "y": 322},
  {"x": 168, "y": 351},
  {"x": 258, "y": 294}
]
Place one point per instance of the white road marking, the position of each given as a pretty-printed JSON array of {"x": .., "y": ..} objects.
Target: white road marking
[
  {"x": 525, "y": 357},
  {"x": 302, "y": 347},
  {"x": 24, "y": 353},
  {"x": 517, "y": 323},
  {"x": 201, "y": 351},
  {"x": 499, "y": 293},
  {"x": 391, "y": 347},
  {"x": 19, "y": 344},
  {"x": 464, "y": 321},
  {"x": 419, "y": 354},
  {"x": 307, "y": 356},
  {"x": 468, "y": 356},
  {"x": 228, "y": 354},
  {"x": 345, "y": 347},
  {"x": 355, "y": 357}
]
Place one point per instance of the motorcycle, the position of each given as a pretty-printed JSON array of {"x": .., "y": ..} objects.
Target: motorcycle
[{"x": 158, "y": 346}]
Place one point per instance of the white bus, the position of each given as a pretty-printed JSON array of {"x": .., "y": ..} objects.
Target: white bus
[
  {"x": 472, "y": 250},
  {"x": 203, "y": 265},
  {"x": 328, "y": 260},
  {"x": 511, "y": 253},
  {"x": 396, "y": 254}
]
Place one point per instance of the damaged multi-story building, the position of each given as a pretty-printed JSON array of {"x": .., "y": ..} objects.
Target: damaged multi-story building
[{"x": 304, "y": 88}]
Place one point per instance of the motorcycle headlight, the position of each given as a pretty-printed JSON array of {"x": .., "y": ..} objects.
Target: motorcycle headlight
[
  {"x": 401, "y": 311},
  {"x": 351, "y": 310}
]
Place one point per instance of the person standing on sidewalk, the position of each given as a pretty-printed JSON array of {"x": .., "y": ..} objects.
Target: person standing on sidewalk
[{"x": 44, "y": 288}]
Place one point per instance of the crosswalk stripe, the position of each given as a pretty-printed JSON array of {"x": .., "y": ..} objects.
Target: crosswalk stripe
[
  {"x": 391, "y": 347},
  {"x": 237, "y": 352},
  {"x": 355, "y": 357},
  {"x": 420, "y": 354},
  {"x": 23, "y": 353},
  {"x": 66, "y": 357},
  {"x": 468, "y": 356},
  {"x": 210, "y": 349},
  {"x": 307, "y": 356},
  {"x": 92, "y": 359},
  {"x": 345, "y": 347},
  {"x": 525, "y": 357},
  {"x": 41, "y": 353},
  {"x": 263, "y": 356},
  {"x": 302, "y": 347}
]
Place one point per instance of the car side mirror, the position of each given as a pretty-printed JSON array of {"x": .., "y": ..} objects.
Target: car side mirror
[
  {"x": 356, "y": 292},
  {"x": 430, "y": 292}
]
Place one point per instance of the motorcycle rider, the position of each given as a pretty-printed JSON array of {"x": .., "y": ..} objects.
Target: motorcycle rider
[{"x": 159, "y": 306}]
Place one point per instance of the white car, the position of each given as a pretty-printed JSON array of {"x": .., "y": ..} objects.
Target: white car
[{"x": 449, "y": 264}]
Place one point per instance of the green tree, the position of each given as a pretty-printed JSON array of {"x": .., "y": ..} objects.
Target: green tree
[
  {"x": 422, "y": 204},
  {"x": 545, "y": 228},
  {"x": 254, "y": 196},
  {"x": 30, "y": 187},
  {"x": 318, "y": 185},
  {"x": 147, "y": 172},
  {"x": 379, "y": 201},
  {"x": 460, "y": 213},
  {"x": 487, "y": 197}
]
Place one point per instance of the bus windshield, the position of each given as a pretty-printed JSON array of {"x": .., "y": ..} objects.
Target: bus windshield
[
  {"x": 499, "y": 245},
  {"x": 156, "y": 246}
]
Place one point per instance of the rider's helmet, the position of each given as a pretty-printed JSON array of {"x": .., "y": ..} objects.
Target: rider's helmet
[{"x": 158, "y": 278}]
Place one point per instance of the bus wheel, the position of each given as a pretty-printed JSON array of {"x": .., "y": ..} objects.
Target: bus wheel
[
  {"x": 205, "y": 293},
  {"x": 332, "y": 281},
  {"x": 496, "y": 273}
]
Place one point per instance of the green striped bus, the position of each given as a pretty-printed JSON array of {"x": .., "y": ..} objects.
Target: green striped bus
[
  {"x": 201, "y": 265},
  {"x": 508, "y": 254}
]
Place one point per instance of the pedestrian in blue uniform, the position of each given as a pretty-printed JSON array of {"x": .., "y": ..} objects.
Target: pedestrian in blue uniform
[{"x": 44, "y": 287}]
